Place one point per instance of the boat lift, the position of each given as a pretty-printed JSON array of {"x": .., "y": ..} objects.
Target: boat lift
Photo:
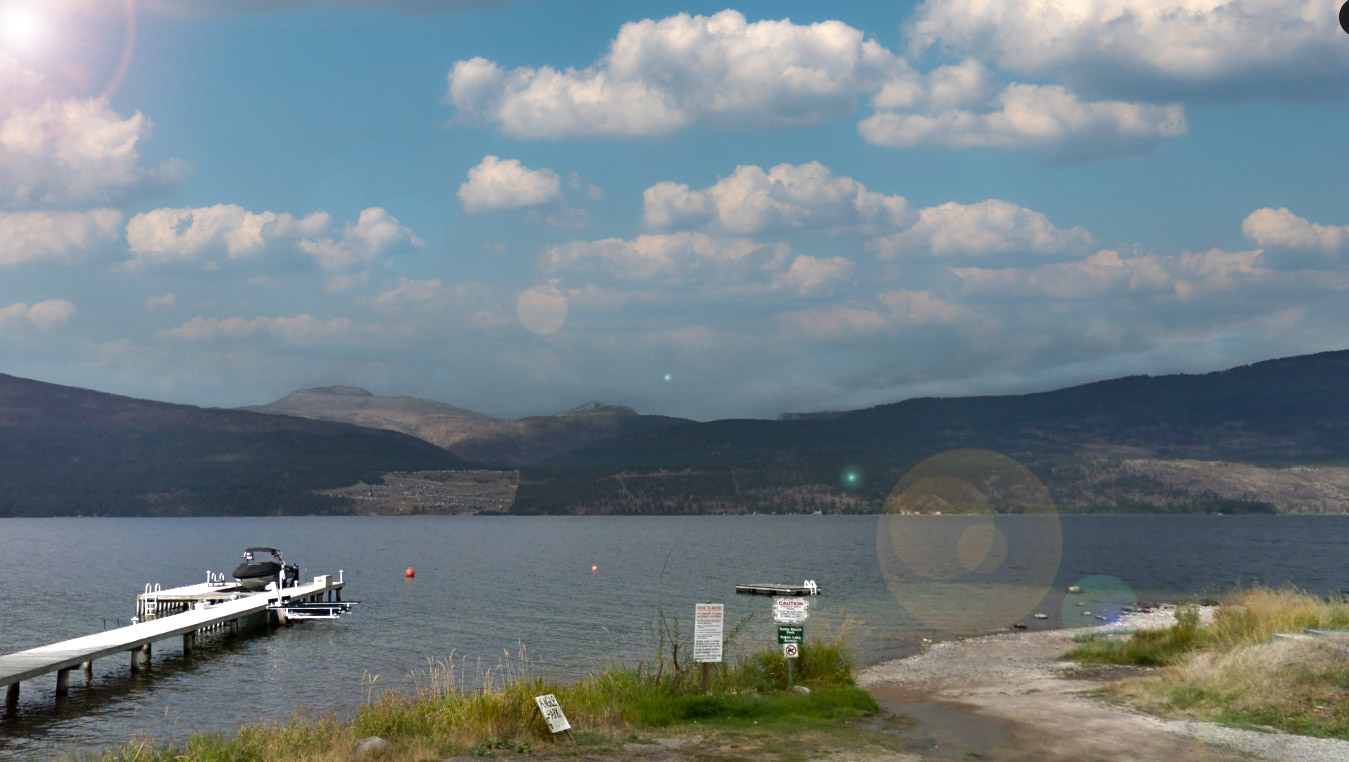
[{"x": 287, "y": 610}]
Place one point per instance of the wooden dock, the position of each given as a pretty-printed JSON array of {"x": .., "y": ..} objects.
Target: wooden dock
[
  {"x": 778, "y": 590},
  {"x": 184, "y": 611}
]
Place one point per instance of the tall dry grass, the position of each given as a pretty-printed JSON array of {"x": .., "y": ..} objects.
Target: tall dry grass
[
  {"x": 459, "y": 707},
  {"x": 1241, "y": 674}
]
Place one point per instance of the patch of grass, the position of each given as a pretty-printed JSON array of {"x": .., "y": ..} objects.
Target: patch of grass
[
  {"x": 1234, "y": 671},
  {"x": 1145, "y": 648},
  {"x": 822, "y": 706},
  {"x": 458, "y": 708}
]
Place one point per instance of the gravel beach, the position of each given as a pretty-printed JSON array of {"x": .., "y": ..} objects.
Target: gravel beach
[{"x": 1009, "y": 696}]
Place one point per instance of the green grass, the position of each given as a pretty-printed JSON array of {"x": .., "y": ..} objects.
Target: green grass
[
  {"x": 1234, "y": 671},
  {"x": 1145, "y": 648},
  {"x": 460, "y": 711}
]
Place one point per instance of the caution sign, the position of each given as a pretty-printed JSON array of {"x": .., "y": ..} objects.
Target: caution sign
[{"x": 552, "y": 713}]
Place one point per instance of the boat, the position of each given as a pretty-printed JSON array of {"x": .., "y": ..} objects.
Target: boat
[{"x": 256, "y": 574}]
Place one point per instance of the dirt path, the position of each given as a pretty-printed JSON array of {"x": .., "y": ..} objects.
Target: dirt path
[{"x": 1009, "y": 698}]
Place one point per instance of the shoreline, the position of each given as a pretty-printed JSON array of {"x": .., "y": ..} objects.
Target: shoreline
[{"x": 1010, "y": 696}]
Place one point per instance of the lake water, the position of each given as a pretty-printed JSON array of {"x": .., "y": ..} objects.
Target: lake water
[{"x": 486, "y": 585}]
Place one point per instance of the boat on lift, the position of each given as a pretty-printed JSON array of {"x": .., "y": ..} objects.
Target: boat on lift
[{"x": 255, "y": 573}]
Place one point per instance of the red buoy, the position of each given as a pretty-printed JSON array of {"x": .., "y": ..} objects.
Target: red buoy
[
  {"x": 594, "y": 568},
  {"x": 410, "y": 573}
]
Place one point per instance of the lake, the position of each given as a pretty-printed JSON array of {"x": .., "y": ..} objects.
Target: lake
[{"x": 485, "y": 586}]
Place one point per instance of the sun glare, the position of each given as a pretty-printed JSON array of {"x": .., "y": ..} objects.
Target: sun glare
[{"x": 21, "y": 27}]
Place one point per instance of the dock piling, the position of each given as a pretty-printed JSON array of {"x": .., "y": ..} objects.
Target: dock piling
[{"x": 187, "y": 611}]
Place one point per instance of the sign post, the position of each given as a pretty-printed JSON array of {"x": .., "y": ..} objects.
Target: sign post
[
  {"x": 791, "y": 614},
  {"x": 708, "y": 619}
]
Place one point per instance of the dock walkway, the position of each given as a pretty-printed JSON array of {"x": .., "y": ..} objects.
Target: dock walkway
[{"x": 137, "y": 638}]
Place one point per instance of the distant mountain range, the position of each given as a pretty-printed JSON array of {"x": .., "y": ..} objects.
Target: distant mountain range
[
  {"x": 469, "y": 435},
  {"x": 1267, "y": 437},
  {"x": 1272, "y": 436},
  {"x": 68, "y": 451}
]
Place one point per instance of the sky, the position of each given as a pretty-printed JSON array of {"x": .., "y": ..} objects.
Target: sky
[{"x": 692, "y": 209}]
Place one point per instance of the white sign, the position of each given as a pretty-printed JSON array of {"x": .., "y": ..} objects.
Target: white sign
[
  {"x": 707, "y": 629},
  {"x": 790, "y": 610},
  {"x": 552, "y": 713},
  {"x": 791, "y": 650}
]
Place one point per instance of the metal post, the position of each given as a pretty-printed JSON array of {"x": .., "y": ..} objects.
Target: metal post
[
  {"x": 135, "y": 661},
  {"x": 188, "y": 639},
  {"x": 12, "y": 697},
  {"x": 145, "y": 649},
  {"x": 704, "y": 677},
  {"x": 789, "y": 673},
  {"x": 88, "y": 672},
  {"x": 62, "y": 682}
]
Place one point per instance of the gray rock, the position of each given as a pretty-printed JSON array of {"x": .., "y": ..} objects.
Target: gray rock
[
  {"x": 372, "y": 747},
  {"x": 801, "y": 689}
]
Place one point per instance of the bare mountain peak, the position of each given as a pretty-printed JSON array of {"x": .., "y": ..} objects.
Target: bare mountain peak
[
  {"x": 599, "y": 408},
  {"x": 335, "y": 391}
]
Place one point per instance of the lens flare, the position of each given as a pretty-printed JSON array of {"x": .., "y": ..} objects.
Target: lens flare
[
  {"x": 951, "y": 555},
  {"x": 23, "y": 27},
  {"x": 542, "y": 309}
]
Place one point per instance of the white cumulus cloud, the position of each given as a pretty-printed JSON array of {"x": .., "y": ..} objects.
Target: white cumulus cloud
[
  {"x": 408, "y": 292},
  {"x": 811, "y": 275},
  {"x": 674, "y": 259},
  {"x": 167, "y": 235},
  {"x": 70, "y": 151},
  {"x": 988, "y": 227},
  {"x": 752, "y": 200},
  {"x": 374, "y": 234},
  {"x": 180, "y": 234},
  {"x": 47, "y": 314},
  {"x": 299, "y": 330},
  {"x": 497, "y": 184},
  {"x": 63, "y": 237},
  {"x": 662, "y": 75},
  {"x": 1154, "y": 49},
  {"x": 1047, "y": 118},
  {"x": 1280, "y": 227},
  {"x": 1106, "y": 273},
  {"x": 161, "y": 302}
]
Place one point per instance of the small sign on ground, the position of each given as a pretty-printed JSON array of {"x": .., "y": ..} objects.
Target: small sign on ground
[
  {"x": 707, "y": 631},
  {"x": 552, "y": 713}
]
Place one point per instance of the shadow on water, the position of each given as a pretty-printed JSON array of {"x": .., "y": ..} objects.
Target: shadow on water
[{"x": 39, "y": 708}]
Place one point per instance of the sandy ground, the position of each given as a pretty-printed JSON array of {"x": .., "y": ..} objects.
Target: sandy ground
[{"x": 1009, "y": 698}]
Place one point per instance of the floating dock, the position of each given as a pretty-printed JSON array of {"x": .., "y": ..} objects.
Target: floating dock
[
  {"x": 185, "y": 611},
  {"x": 778, "y": 590}
]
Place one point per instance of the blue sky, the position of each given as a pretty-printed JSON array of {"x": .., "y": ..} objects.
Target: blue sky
[{"x": 518, "y": 207}]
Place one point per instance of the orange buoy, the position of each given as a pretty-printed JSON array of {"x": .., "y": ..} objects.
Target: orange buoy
[{"x": 410, "y": 573}]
